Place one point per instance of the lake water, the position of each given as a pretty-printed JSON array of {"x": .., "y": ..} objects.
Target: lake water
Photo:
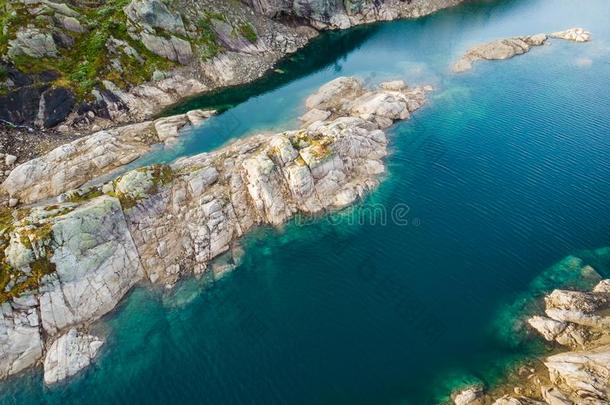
[{"x": 409, "y": 294}]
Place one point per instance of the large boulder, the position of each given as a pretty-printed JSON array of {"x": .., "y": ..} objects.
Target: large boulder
[
  {"x": 155, "y": 14},
  {"x": 69, "y": 354},
  {"x": 34, "y": 43},
  {"x": 172, "y": 48},
  {"x": 584, "y": 375}
]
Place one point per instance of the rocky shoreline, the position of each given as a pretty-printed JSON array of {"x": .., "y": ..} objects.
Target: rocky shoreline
[
  {"x": 510, "y": 47},
  {"x": 155, "y": 54},
  {"x": 70, "y": 261},
  {"x": 575, "y": 320}
]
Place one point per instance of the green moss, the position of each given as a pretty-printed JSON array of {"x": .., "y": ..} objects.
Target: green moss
[
  {"x": 83, "y": 196},
  {"x": 6, "y": 220},
  {"x": 208, "y": 40},
  {"x": 40, "y": 235},
  {"x": 247, "y": 31},
  {"x": 161, "y": 175}
]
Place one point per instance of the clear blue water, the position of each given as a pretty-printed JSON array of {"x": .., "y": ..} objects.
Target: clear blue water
[{"x": 503, "y": 174}]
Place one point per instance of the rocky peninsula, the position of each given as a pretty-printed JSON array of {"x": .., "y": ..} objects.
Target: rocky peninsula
[
  {"x": 68, "y": 262},
  {"x": 74, "y": 68},
  {"x": 578, "y": 321},
  {"x": 507, "y": 48}
]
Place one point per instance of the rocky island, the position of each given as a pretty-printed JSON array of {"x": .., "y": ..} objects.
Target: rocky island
[
  {"x": 68, "y": 262},
  {"x": 507, "y": 48}
]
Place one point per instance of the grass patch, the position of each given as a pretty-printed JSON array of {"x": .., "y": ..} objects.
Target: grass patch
[{"x": 247, "y": 31}]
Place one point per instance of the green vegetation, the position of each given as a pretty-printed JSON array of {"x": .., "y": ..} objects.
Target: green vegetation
[
  {"x": 85, "y": 64},
  {"x": 247, "y": 31},
  {"x": 160, "y": 175},
  {"x": 83, "y": 196},
  {"x": 14, "y": 282},
  {"x": 208, "y": 39}
]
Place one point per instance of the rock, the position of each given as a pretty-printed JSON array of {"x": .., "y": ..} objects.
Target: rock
[
  {"x": 602, "y": 287},
  {"x": 10, "y": 160},
  {"x": 496, "y": 50},
  {"x": 96, "y": 263},
  {"x": 507, "y": 400},
  {"x": 581, "y": 308},
  {"x": 155, "y": 14},
  {"x": 333, "y": 95},
  {"x": 69, "y": 354},
  {"x": 172, "y": 48},
  {"x": 12, "y": 202},
  {"x": 20, "y": 339},
  {"x": 584, "y": 375},
  {"x": 314, "y": 115},
  {"x": 552, "y": 396},
  {"x": 469, "y": 396},
  {"x": 168, "y": 128},
  {"x": 55, "y": 105},
  {"x": 507, "y": 48},
  {"x": 72, "y": 165},
  {"x": 196, "y": 117},
  {"x": 34, "y": 43},
  {"x": 549, "y": 328},
  {"x": 395, "y": 85},
  {"x": 70, "y": 23},
  {"x": 573, "y": 34}
]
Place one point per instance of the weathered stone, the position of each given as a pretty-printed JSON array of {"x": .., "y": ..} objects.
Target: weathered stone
[
  {"x": 155, "y": 14},
  {"x": 172, "y": 48},
  {"x": 69, "y": 354},
  {"x": 34, "y": 43},
  {"x": 507, "y": 48}
]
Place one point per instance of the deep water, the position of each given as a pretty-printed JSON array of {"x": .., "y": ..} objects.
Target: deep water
[{"x": 398, "y": 300}]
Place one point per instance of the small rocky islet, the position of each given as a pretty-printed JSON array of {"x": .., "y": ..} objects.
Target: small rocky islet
[{"x": 510, "y": 47}]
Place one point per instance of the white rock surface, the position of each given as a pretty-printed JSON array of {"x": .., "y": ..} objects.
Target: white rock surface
[
  {"x": 573, "y": 34},
  {"x": 74, "y": 164},
  {"x": 507, "y": 48},
  {"x": 69, "y": 354}
]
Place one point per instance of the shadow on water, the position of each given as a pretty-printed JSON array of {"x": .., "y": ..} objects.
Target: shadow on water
[{"x": 325, "y": 50}]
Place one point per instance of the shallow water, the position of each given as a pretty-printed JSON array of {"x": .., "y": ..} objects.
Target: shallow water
[{"x": 415, "y": 290}]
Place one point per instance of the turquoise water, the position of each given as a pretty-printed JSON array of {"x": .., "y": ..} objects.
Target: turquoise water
[{"x": 502, "y": 175}]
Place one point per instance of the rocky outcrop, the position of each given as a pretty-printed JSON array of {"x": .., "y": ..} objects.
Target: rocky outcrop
[
  {"x": 575, "y": 319},
  {"x": 71, "y": 262},
  {"x": 507, "y": 48},
  {"x": 69, "y": 354},
  {"x": 341, "y": 14},
  {"x": 74, "y": 164}
]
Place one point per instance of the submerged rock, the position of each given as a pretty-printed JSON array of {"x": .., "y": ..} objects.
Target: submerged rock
[
  {"x": 469, "y": 396},
  {"x": 69, "y": 354}
]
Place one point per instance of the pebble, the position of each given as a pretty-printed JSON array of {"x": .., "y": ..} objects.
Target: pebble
[
  {"x": 13, "y": 202},
  {"x": 9, "y": 160}
]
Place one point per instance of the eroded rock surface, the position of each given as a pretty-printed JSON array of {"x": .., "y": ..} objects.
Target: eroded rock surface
[{"x": 507, "y": 48}]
